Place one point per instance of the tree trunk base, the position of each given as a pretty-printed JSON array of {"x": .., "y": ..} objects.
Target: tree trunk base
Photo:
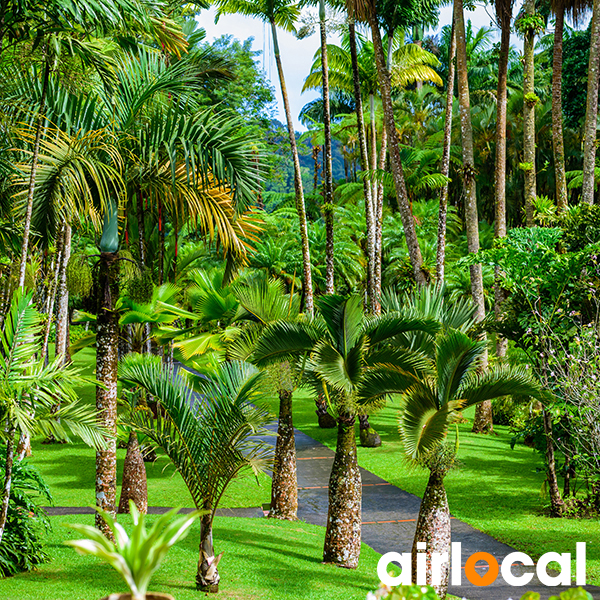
[
  {"x": 208, "y": 589},
  {"x": 483, "y": 421}
]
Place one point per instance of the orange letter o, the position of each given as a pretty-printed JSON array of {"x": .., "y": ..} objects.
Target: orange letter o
[{"x": 473, "y": 576}]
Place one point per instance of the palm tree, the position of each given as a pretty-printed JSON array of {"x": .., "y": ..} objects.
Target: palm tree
[
  {"x": 350, "y": 363},
  {"x": 205, "y": 425},
  {"x": 451, "y": 382},
  {"x": 30, "y": 390},
  {"x": 281, "y": 13},
  {"x": 591, "y": 113}
]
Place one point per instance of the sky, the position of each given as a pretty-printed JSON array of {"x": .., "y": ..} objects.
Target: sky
[{"x": 297, "y": 55}]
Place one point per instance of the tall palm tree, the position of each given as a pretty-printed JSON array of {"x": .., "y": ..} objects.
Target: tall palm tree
[
  {"x": 205, "y": 425},
  {"x": 483, "y": 414},
  {"x": 591, "y": 113},
  {"x": 281, "y": 13},
  {"x": 350, "y": 363},
  {"x": 30, "y": 390},
  {"x": 431, "y": 403}
]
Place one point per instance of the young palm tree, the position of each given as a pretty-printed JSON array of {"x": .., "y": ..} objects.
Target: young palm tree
[
  {"x": 350, "y": 363},
  {"x": 205, "y": 426},
  {"x": 451, "y": 382},
  {"x": 281, "y": 13},
  {"x": 30, "y": 389}
]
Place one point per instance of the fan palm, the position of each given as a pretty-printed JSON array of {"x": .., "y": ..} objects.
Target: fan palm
[
  {"x": 450, "y": 382},
  {"x": 205, "y": 426},
  {"x": 30, "y": 389},
  {"x": 350, "y": 363}
]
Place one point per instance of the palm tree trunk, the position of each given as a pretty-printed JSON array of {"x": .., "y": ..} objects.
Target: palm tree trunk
[
  {"x": 161, "y": 243},
  {"x": 591, "y": 112},
  {"x": 483, "y": 412},
  {"x": 62, "y": 316},
  {"x": 207, "y": 576},
  {"x": 504, "y": 12},
  {"x": 134, "y": 486},
  {"x": 342, "y": 538},
  {"x": 433, "y": 528},
  {"x": 529, "y": 116},
  {"x": 557, "y": 117},
  {"x": 440, "y": 258},
  {"x": 34, "y": 165},
  {"x": 51, "y": 298},
  {"x": 284, "y": 491},
  {"x": 404, "y": 207},
  {"x": 364, "y": 164},
  {"x": 107, "y": 339},
  {"x": 556, "y": 502},
  {"x": 328, "y": 208},
  {"x": 300, "y": 207},
  {"x": 142, "y": 251},
  {"x": 10, "y": 449}
]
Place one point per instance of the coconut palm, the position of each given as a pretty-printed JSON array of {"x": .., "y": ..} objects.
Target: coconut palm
[
  {"x": 451, "y": 381},
  {"x": 205, "y": 426},
  {"x": 30, "y": 390},
  {"x": 283, "y": 14},
  {"x": 350, "y": 363}
]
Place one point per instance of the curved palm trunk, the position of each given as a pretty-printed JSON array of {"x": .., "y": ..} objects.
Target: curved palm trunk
[
  {"x": 591, "y": 112},
  {"x": 107, "y": 339},
  {"x": 483, "y": 412},
  {"x": 342, "y": 538},
  {"x": 404, "y": 207},
  {"x": 300, "y": 207},
  {"x": 529, "y": 117},
  {"x": 34, "y": 166},
  {"x": 557, "y": 117},
  {"x": 207, "y": 576},
  {"x": 328, "y": 208},
  {"x": 364, "y": 164},
  {"x": 10, "y": 456},
  {"x": 504, "y": 12},
  {"x": 433, "y": 528},
  {"x": 440, "y": 257},
  {"x": 133, "y": 486},
  {"x": 284, "y": 490}
]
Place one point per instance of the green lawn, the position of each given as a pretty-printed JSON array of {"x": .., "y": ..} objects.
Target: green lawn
[
  {"x": 263, "y": 560},
  {"x": 496, "y": 489}
]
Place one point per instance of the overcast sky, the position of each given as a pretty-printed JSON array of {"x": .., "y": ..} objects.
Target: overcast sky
[{"x": 297, "y": 55}]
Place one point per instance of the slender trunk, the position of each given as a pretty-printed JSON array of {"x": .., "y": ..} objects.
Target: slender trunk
[
  {"x": 142, "y": 251},
  {"x": 591, "y": 111},
  {"x": 404, "y": 207},
  {"x": 52, "y": 298},
  {"x": 134, "y": 486},
  {"x": 328, "y": 207},
  {"x": 107, "y": 326},
  {"x": 62, "y": 316},
  {"x": 284, "y": 491},
  {"x": 379, "y": 217},
  {"x": 315, "y": 154},
  {"x": 558, "y": 143},
  {"x": 373, "y": 125},
  {"x": 34, "y": 166},
  {"x": 529, "y": 173},
  {"x": 364, "y": 164},
  {"x": 556, "y": 502},
  {"x": 342, "y": 538},
  {"x": 307, "y": 283},
  {"x": 161, "y": 243},
  {"x": 10, "y": 448},
  {"x": 433, "y": 528},
  {"x": 483, "y": 412},
  {"x": 504, "y": 12},
  {"x": 207, "y": 576},
  {"x": 440, "y": 259}
]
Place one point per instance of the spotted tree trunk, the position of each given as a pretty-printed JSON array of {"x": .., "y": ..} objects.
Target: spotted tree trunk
[
  {"x": 433, "y": 528},
  {"x": 107, "y": 339},
  {"x": 207, "y": 576},
  {"x": 342, "y": 538},
  {"x": 134, "y": 485},
  {"x": 284, "y": 491}
]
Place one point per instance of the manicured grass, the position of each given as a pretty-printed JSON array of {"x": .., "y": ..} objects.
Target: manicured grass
[
  {"x": 496, "y": 489},
  {"x": 263, "y": 560}
]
